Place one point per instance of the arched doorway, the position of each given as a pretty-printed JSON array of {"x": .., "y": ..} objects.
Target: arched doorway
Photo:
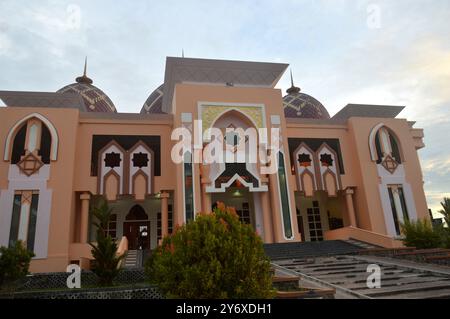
[{"x": 136, "y": 228}]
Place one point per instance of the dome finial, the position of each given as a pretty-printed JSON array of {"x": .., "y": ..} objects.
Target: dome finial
[
  {"x": 84, "y": 78},
  {"x": 85, "y": 67},
  {"x": 293, "y": 89}
]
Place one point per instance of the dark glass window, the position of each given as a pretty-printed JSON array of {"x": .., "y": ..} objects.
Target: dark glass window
[
  {"x": 112, "y": 226},
  {"x": 284, "y": 196},
  {"x": 244, "y": 214},
  {"x": 188, "y": 187},
  {"x": 395, "y": 149},
  {"x": 159, "y": 223},
  {"x": 378, "y": 147},
  {"x": 394, "y": 211},
  {"x": 15, "y": 220},
  {"x": 315, "y": 223},
  {"x": 46, "y": 143},
  {"x": 32, "y": 221},
  {"x": 170, "y": 219},
  {"x": 19, "y": 145},
  {"x": 401, "y": 194}
]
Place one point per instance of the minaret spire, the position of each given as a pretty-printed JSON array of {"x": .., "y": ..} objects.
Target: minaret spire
[
  {"x": 293, "y": 89},
  {"x": 292, "y": 78},
  {"x": 84, "y": 78},
  {"x": 85, "y": 67}
]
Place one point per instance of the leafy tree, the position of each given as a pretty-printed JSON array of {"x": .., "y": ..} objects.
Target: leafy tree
[
  {"x": 215, "y": 256},
  {"x": 106, "y": 261},
  {"x": 420, "y": 234},
  {"x": 14, "y": 263}
]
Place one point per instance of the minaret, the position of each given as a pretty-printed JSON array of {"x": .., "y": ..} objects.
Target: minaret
[
  {"x": 84, "y": 78},
  {"x": 293, "y": 89}
]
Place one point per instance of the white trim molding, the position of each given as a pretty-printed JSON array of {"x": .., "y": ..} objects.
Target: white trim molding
[{"x": 12, "y": 132}]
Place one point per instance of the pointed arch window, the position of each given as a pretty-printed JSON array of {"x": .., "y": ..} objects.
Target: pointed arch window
[
  {"x": 385, "y": 144},
  {"x": 33, "y": 134}
]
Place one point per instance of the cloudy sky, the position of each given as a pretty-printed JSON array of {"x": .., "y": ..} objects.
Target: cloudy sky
[{"x": 341, "y": 51}]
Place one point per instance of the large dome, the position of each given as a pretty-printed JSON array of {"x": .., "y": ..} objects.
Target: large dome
[
  {"x": 153, "y": 105},
  {"x": 95, "y": 99},
  {"x": 301, "y": 105}
]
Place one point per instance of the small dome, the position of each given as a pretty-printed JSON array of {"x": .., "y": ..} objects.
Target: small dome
[
  {"x": 301, "y": 105},
  {"x": 95, "y": 99},
  {"x": 153, "y": 105}
]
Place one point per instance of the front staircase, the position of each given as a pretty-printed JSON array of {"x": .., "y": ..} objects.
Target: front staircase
[
  {"x": 362, "y": 244},
  {"x": 131, "y": 259},
  {"x": 310, "y": 249}
]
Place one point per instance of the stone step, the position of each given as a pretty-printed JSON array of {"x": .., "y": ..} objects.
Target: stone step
[
  {"x": 435, "y": 294},
  {"x": 362, "y": 279},
  {"x": 333, "y": 265},
  {"x": 361, "y": 276},
  {"x": 309, "y": 249},
  {"x": 393, "y": 282},
  {"x": 392, "y": 291}
]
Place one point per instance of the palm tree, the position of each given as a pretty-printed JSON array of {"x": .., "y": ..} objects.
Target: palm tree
[
  {"x": 106, "y": 262},
  {"x": 446, "y": 210}
]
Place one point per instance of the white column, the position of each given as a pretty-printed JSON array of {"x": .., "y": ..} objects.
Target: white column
[
  {"x": 350, "y": 207},
  {"x": 84, "y": 222}
]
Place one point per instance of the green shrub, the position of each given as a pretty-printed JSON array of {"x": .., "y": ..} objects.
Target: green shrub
[
  {"x": 420, "y": 234},
  {"x": 14, "y": 263},
  {"x": 215, "y": 256},
  {"x": 106, "y": 262},
  {"x": 445, "y": 237}
]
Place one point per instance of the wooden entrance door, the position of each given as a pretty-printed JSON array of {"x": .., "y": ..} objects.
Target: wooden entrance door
[{"x": 138, "y": 234}]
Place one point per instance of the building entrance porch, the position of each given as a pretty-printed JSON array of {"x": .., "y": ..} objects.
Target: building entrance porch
[
  {"x": 247, "y": 204},
  {"x": 140, "y": 221},
  {"x": 319, "y": 214}
]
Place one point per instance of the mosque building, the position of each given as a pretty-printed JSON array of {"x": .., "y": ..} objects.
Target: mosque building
[{"x": 355, "y": 175}]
